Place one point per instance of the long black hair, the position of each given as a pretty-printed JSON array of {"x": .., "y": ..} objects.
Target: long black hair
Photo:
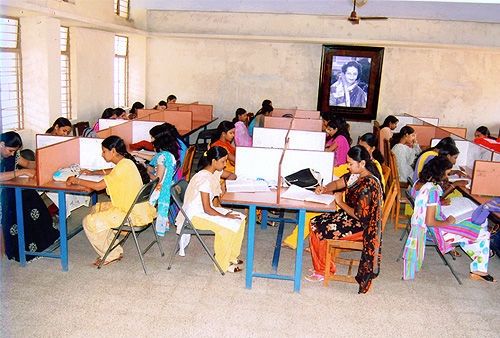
[
  {"x": 59, "y": 122},
  {"x": 238, "y": 113},
  {"x": 389, "y": 119},
  {"x": 406, "y": 130},
  {"x": 342, "y": 127},
  {"x": 133, "y": 111},
  {"x": 484, "y": 131},
  {"x": 267, "y": 107},
  {"x": 214, "y": 153},
  {"x": 358, "y": 154},
  {"x": 164, "y": 140},
  {"x": 223, "y": 127},
  {"x": 115, "y": 142},
  {"x": 11, "y": 139},
  {"x": 433, "y": 171},
  {"x": 448, "y": 149},
  {"x": 371, "y": 140}
]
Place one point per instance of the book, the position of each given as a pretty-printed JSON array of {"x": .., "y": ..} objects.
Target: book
[
  {"x": 460, "y": 207},
  {"x": 93, "y": 178},
  {"x": 301, "y": 194},
  {"x": 246, "y": 185}
]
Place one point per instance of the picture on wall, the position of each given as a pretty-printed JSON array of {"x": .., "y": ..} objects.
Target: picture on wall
[{"x": 350, "y": 81}]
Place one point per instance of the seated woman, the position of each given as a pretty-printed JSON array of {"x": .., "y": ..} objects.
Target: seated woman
[
  {"x": 258, "y": 119},
  {"x": 39, "y": 232},
  {"x": 483, "y": 137},
  {"x": 162, "y": 105},
  {"x": 474, "y": 239},
  {"x": 122, "y": 184},
  {"x": 361, "y": 212},
  {"x": 429, "y": 154},
  {"x": 386, "y": 129},
  {"x": 132, "y": 114},
  {"x": 340, "y": 139},
  {"x": 241, "y": 136},
  {"x": 171, "y": 99},
  {"x": 60, "y": 127},
  {"x": 406, "y": 149},
  {"x": 202, "y": 205},
  {"x": 223, "y": 137}
]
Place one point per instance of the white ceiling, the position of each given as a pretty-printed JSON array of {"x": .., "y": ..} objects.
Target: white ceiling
[{"x": 464, "y": 10}]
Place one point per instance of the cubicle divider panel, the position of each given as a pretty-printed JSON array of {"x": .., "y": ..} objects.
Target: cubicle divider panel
[
  {"x": 478, "y": 153},
  {"x": 424, "y": 134},
  {"x": 43, "y": 140},
  {"x": 307, "y": 114},
  {"x": 442, "y": 133},
  {"x": 307, "y": 124},
  {"x": 140, "y": 130},
  {"x": 90, "y": 154},
  {"x": 430, "y": 120},
  {"x": 406, "y": 120},
  {"x": 143, "y": 114},
  {"x": 280, "y": 112},
  {"x": 181, "y": 119},
  {"x": 277, "y": 122},
  {"x": 108, "y": 123},
  {"x": 484, "y": 175},
  {"x": 462, "y": 132},
  {"x": 463, "y": 148},
  {"x": 299, "y": 139},
  {"x": 102, "y": 134},
  {"x": 321, "y": 161},
  {"x": 56, "y": 156},
  {"x": 258, "y": 163},
  {"x": 201, "y": 112}
]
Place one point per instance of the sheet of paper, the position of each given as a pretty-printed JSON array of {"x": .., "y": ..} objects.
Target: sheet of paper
[
  {"x": 93, "y": 178},
  {"x": 297, "y": 193},
  {"x": 246, "y": 185},
  {"x": 460, "y": 207}
]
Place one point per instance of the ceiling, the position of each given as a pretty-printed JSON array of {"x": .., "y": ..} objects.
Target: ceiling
[{"x": 458, "y": 10}]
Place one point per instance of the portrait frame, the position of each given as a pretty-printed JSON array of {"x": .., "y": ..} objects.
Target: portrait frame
[{"x": 367, "y": 107}]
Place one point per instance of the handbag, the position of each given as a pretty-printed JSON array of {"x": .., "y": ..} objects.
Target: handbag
[
  {"x": 305, "y": 178},
  {"x": 482, "y": 212}
]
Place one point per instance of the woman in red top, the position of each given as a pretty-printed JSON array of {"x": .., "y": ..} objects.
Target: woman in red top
[{"x": 223, "y": 138}]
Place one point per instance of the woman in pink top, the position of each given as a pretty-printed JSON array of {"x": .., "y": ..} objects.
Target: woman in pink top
[
  {"x": 241, "y": 138},
  {"x": 340, "y": 140}
]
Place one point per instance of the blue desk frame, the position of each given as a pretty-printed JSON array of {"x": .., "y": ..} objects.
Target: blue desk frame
[{"x": 63, "y": 229}]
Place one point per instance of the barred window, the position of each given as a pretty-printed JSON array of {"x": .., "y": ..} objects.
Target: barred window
[
  {"x": 65, "y": 74},
  {"x": 11, "y": 101},
  {"x": 121, "y": 71},
  {"x": 122, "y": 8}
]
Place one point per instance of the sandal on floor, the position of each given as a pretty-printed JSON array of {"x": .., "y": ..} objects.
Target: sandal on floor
[
  {"x": 285, "y": 245},
  {"x": 455, "y": 253},
  {"x": 237, "y": 262},
  {"x": 98, "y": 260},
  {"x": 486, "y": 278},
  {"x": 234, "y": 268},
  {"x": 314, "y": 277}
]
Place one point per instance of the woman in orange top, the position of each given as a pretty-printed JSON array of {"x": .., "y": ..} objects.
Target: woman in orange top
[{"x": 223, "y": 138}]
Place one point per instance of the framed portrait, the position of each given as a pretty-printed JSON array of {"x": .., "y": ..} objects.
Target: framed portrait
[{"x": 349, "y": 82}]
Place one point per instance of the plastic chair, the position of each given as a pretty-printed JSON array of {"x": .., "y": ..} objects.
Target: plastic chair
[
  {"x": 79, "y": 127},
  {"x": 126, "y": 228},
  {"x": 203, "y": 139},
  {"x": 432, "y": 242},
  {"x": 177, "y": 193}
]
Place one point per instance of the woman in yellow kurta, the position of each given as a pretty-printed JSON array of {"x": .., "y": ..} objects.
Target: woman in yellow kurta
[{"x": 122, "y": 184}]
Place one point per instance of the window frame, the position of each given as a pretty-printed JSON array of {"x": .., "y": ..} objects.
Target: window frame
[
  {"x": 69, "y": 112},
  {"x": 126, "y": 74},
  {"x": 118, "y": 4}
]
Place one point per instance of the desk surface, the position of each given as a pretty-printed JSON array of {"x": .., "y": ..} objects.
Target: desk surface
[
  {"x": 494, "y": 216},
  {"x": 30, "y": 183},
  {"x": 268, "y": 199}
]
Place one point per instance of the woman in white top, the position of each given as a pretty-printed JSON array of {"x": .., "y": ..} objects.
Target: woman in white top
[
  {"x": 202, "y": 205},
  {"x": 405, "y": 149}
]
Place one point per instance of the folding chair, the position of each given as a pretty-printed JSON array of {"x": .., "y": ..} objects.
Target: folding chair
[
  {"x": 205, "y": 136},
  {"x": 432, "y": 242},
  {"x": 79, "y": 127},
  {"x": 126, "y": 227},
  {"x": 188, "y": 162},
  {"x": 177, "y": 193}
]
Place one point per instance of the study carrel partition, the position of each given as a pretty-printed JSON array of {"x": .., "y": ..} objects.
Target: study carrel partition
[
  {"x": 43, "y": 140},
  {"x": 469, "y": 152},
  {"x": 181, "y": 119},
  {"x": 298, "y": 139},
  {"x": 292, "y": 123},
  {"x": 485, "y": 178},
  {"x": 202, "y": 113},
  {"x": 131, "y": 131},
  {"x": 297, "y": 113}
]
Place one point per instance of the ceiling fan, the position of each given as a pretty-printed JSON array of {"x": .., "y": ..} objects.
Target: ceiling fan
[{"x": 354, "y": 18}]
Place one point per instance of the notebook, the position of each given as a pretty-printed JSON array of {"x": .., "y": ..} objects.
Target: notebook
[
  {"x": 301, "y": 194},
  {"x": 460, "y": 207},
  {"x": 246, "y": 185}
]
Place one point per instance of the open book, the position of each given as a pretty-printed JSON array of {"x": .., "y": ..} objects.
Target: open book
[
  {"x": 297, "y": 193},
  {"x": 246, "y": 185},
  {"x": 460, "y": 207}
]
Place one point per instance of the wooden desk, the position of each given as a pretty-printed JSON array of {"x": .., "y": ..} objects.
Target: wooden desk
[
  {"x": 19, "y": 184},
  {"x": 268, "y": 200}
]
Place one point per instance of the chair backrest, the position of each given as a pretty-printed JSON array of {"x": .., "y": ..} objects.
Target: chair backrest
[
  {"x": 188, "y": 162},
  {"x": 410, "y": 197},
  {"x": 79, "y": 127},
  {"x": 376, "y": 130},
  {"x": 178, "y": 190},
  {"x": 143, "y": 195},
  {"x": 386, "y": 172},
  {"x": 390, "y": 198}
]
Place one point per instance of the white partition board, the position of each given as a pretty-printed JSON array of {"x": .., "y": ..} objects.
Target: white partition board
[
  {"x": 43, "y": 140},
  {"x": 496, "y": 157},
  {"x": 140, "y": 130},
  {"x": 432, "y": 120},
  {"x": 469, "y": 152},
  {"x": 404, "y": 120},
  {"x": 253, "y": 162},
  {"x": 106, "y": 123},
  {"x": 295, "y": 160},
  {"x": 91, "y": 154},
  {"x": 299, "y": 139}
]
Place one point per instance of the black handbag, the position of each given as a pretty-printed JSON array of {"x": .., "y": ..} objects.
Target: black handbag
[{"x": 305, "y": 178}]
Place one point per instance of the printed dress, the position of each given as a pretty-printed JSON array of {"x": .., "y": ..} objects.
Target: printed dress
[
  {"x": 162, "y": 194},
  {"x": 473, "y": 238},
  {"x": 365, "y": 196}
]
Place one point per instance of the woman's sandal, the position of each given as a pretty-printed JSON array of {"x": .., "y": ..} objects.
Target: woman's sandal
[
  {"x": 234, "y": 268},
  {"x": 237, "y": 262},
  {"x": 98, "y": 260},
  {"x": 485, "y": 278},
  {"x": 455, "y": 253}
]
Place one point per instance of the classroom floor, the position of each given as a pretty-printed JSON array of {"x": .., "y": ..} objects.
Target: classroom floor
[{"x": 193, "y": 299}]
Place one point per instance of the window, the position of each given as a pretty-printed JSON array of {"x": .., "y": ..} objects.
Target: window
[
  {"x": 121, "y": 71},
  {"x": 11, "y": 101},
  {"x": 65, "y": 76},
  {"x": 121, "y": 8}
]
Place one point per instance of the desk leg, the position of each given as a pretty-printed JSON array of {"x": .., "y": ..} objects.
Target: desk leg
[
  {"x": 263, "y": 219},
  {"x": 20, "y": 226},
  {"x": 250, "y": 245},
  {"x": 93, "y": 198},
  {"x": 300, "y": 246},
  {"x": 63, "y": 230}
]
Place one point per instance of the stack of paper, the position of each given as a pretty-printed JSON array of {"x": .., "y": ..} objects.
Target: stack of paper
[
  {"x": 301, "y": 194},
  {"x": 246, "y": 185},
  {"x": 460, "y": 207}
]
